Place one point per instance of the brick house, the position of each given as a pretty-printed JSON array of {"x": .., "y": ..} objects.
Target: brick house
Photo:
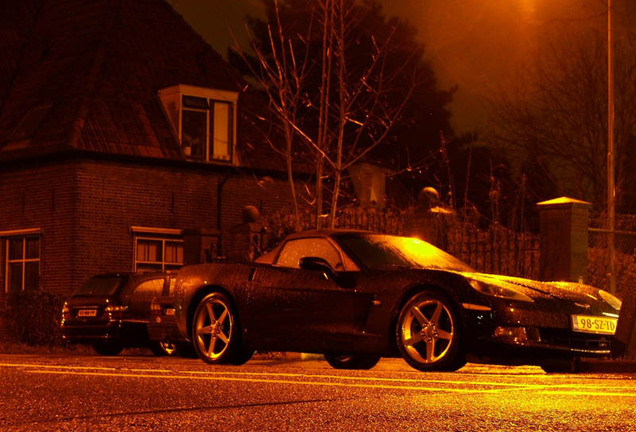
[{"x": 124, "y": 143}]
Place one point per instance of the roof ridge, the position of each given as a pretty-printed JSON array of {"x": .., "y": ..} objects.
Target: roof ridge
[{"x": 92, "y": 78}]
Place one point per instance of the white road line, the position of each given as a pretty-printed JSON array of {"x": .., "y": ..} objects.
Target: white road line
[
  {"x": 269, "y": 381},
  {"x": 33, "y": 365},
  {"x": 542, "y": 389},
  {"x": 273, "y": 377}
]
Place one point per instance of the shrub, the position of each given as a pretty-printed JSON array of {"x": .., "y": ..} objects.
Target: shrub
[{"x": 33, "y": 317}]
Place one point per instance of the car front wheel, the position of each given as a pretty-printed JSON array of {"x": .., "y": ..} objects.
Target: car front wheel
[
  {"x": 215, "y": 331},
  {"x": 428, "y": 333},
  {"x": 352, "y": 361}
]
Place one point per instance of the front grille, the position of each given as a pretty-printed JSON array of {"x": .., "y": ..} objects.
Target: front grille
[{"x": 568, "y": 338}]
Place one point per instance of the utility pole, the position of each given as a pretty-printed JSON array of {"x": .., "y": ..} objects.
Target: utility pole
[{"x": 611, "y": 187}]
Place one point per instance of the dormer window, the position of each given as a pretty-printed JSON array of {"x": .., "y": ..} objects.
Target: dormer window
[{"x": 204, "y": 121}]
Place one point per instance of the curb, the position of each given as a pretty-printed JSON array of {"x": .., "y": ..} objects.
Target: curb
[{"x": 604, "y": 366}]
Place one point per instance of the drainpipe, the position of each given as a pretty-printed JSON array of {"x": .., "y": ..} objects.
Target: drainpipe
[{"x": 219, "y": 208}]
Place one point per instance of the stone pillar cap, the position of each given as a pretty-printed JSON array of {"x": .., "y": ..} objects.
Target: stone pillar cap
[{"x": 563, "y": 201}]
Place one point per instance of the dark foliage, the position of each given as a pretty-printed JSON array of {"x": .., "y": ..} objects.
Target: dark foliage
[{"x": 33, "y": 317}]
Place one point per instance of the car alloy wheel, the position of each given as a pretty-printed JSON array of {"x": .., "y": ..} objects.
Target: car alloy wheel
[
  {"x": 163, "y": 348},
  {"x": 352, "y": 361},
  {"x": 428, "y": 333},
  {"x": 215, "y": 331},
  {"x": 168, "y": 347}
]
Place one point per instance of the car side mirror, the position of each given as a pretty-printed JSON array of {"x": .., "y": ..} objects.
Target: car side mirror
[{"x": 319, "y": 264}]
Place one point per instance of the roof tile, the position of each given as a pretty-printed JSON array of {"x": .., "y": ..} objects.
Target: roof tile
[{"x": 99, "y": 65}]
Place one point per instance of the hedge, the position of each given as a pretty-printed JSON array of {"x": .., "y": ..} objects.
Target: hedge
[{"x": 33, "y": 317}]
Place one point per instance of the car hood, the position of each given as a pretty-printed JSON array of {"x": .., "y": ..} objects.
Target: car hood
[{"x": 568, "y": 291}]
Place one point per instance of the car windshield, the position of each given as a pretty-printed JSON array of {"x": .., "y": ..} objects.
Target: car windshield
[
  {"x": 100, "y": 286},
  {"x": 377, "y": 251}
]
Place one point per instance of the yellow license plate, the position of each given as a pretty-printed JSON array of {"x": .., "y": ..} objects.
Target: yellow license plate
[
  {"x": 594, "y": 324},
  {"x": 87, "y": 313}
]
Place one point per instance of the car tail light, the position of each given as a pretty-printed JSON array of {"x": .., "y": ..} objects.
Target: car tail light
[
  {"x": 66, "y": 312},
  {"x": 116, "y": 311},
  {"x": 157, "y": 310}
]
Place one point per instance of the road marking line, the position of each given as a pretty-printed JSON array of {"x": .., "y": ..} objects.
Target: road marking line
[
  {"x": 269, "y": 374},
  {"x": 274, "y": 381},
  {"x": 432, "y": 381},
  {"x": 541, "y": 389},
  {"x": 219, "y": 374},
  {"x": 34, "y": 365}
]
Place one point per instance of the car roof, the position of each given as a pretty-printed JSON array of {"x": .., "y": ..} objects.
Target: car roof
[{"x": 326, "y": 232}]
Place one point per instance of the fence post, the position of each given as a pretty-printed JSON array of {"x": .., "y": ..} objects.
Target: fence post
[
  {"x": 429, "y": 219},
  {"x": 564, "y": 236},
  {"x": 242, "y": 243},
  {"x": 201, "y": 245}
]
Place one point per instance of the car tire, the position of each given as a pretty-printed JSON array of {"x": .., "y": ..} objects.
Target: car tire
[
  {"x": 352, "y": 361},
  {"x": 186, "y": 350},
  {"x": 428, "y": 333},
  {"x": 562, "y": 367},
  {"x": 216, "y": 334},
  {"x": 108, "y": 348},
  {"x": 163, "y": 348}
]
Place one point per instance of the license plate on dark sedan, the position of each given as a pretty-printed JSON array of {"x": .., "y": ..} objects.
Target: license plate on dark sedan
[
  {"x": 83, "y": 313},
  {"x": 594, "y": 324}
]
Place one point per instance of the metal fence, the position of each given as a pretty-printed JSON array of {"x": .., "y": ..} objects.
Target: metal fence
[
  {"x": 496, "y": 249},
  {"x": 386, "y": 221},
  {"x": 624, "y": 254},
  {"x": 492, "y": 250}
]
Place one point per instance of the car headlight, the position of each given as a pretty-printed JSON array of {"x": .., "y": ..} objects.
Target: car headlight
[
  {"x": 499, "y": 291},
  {"x": 612, "y": 300}
]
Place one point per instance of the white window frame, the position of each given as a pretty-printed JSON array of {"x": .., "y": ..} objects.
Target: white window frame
[
  {"x": 7, "y": 236},
  {"x": 173, "y": 97},
  {"x": 162, "y": 235}
]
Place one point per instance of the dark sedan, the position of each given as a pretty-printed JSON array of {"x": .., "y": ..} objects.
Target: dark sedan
[
  {"x": 358, "y": 296},
  {"x": 113, "y": 311}
]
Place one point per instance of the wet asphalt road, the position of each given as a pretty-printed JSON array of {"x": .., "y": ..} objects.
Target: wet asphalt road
[{"x": 129, "y": 393}]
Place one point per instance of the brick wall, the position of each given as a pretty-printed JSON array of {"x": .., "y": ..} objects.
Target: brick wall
[
  {"x": 42, "y": 197},
  {"x": 86, "y": 209}
]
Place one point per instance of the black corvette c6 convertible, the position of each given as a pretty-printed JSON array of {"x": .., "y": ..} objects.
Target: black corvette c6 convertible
[{"x": 358, "y": 296}]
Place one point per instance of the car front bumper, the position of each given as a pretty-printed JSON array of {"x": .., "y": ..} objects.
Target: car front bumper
[{"x": 526, "y": 336}]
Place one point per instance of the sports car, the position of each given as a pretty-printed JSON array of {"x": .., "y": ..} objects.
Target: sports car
[{"x": 357, "y": 296}]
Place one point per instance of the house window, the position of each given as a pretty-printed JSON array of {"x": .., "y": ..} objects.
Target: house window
[
  {"x": 22, "y": 263},
  {"x": 158, "y": 253},
  {"x": 206, "y": 129},
  {"x": 203, "y": 120}
]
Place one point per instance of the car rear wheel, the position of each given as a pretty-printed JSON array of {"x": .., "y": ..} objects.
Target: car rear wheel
[
  {"x": 108, "y": 348},
  {"x": 215, "y": 332},
  {"x": 428, "y": 333},
  {"x": 352, "y": 361},
  {"x": 163, "y": 348}
]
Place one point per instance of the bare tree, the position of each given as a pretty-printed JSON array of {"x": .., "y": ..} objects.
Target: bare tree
[
  {"x": 556, "y": 124},
  {"x": 353, "y": 109}
]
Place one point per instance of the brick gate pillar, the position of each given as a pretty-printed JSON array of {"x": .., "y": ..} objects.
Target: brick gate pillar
[{"x": 564, "y": 226}]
